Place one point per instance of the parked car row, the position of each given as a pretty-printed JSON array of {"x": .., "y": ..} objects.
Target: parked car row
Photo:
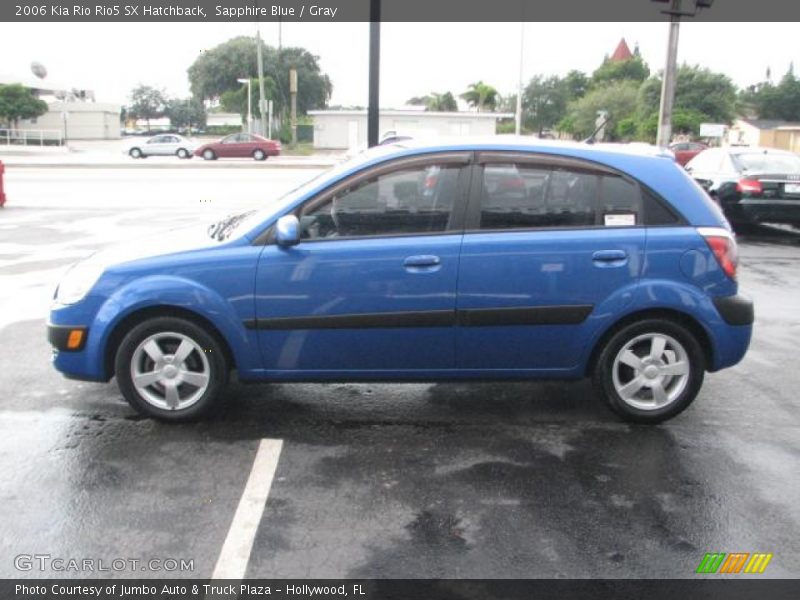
[
  {"x": 236, "y": 145},
  {"x": 752, "y": 185}
]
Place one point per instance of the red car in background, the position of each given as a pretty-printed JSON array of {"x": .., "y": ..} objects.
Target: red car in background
[
  {"x": 240, "y": 145},
  {"x": 686, "y": 151}
]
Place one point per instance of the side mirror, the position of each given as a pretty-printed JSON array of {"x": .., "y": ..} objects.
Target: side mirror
[{"x": 287, "y": 231}]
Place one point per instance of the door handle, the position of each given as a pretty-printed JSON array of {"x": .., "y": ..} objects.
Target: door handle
[
  {"x": 422, "y": 261},
  {"x": 609, "y": 256}
]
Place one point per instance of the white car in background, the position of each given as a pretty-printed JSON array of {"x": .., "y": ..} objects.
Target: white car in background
[{"x": 165, "y": 144}]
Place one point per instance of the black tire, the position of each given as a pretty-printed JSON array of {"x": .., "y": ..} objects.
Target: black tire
[
  {"x": 259, "y": 154},
  {"x": 684, "y": 390},
  {"x": 208, "y": 154},
  {"x": 135, "y": 153},
  {"x": 130, "y": 354},
  {"x": 183, "y": 153}
]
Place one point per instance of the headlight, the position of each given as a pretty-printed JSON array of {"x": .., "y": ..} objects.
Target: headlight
[{"x": 77, "y": 282}]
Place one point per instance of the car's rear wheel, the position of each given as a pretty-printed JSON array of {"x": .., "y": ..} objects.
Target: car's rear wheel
[
  {"x": 183, "y": 153},
  {"x": 208, "y": 154},
  {"x": 259, "y": 154},
  {"x": 135, "y": 153},
  {"x": 170, "y": 369},
  {"x": 650, "y": 371}
]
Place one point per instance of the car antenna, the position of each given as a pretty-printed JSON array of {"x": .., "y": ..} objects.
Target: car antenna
[{"x": 592, "y": 138}]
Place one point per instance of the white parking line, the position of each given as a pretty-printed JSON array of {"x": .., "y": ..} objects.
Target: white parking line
[{"x": 235, "y": 553}]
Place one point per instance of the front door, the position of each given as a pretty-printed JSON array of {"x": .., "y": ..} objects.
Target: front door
[
  {"x": 549, "y": 244},
  {"x": 371, "y": 287}
]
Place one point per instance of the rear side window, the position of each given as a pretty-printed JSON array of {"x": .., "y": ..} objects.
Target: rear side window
[{"x": 520, "y": 196}]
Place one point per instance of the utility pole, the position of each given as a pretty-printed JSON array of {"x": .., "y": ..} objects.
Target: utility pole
[
  {"x": 373, "y": 111},
  {"x": 293, "y": 93},
  {"x": 261, "y": 103},
  {"x": 668, "y": 84},
  {"x": 518, "y": 127},
  {"x": 675, "y": 13}
]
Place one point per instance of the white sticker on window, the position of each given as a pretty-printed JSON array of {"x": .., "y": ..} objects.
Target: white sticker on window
[{"x": 620, "y": 220}]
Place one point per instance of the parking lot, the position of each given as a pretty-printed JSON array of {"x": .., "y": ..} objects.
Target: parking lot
[{"x": 476, "y": 480}]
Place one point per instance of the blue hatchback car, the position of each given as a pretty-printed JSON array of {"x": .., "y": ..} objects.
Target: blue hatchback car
[{"x": 498, "y": 259}]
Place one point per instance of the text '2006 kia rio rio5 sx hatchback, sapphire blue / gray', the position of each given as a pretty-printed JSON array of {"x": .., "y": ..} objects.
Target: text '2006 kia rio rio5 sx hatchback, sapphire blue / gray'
[{"x": 501, "y": 259}]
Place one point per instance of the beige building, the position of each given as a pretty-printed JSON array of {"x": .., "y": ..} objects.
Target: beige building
[
  {"x": 78, "y": 120},
  {"x": 784, "y": 135}
]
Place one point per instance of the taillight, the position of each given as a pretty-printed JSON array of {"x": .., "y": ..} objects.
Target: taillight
[
  {"x": 723, "y": 245},
  {"x": 749, "y": 186}
]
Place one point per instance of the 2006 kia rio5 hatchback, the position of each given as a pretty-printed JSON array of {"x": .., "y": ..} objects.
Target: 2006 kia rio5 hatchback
[{"x": 498, "y": 259}]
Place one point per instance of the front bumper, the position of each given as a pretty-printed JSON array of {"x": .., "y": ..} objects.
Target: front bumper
[{"x": 67, "y": 338}]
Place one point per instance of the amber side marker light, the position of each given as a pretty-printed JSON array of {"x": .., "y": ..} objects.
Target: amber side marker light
[{"x": 75, "y": 339}]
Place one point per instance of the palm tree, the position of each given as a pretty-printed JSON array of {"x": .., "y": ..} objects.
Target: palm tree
[
  {"x": 435, "y": 102},
  {"x": 481, "y": 96}
]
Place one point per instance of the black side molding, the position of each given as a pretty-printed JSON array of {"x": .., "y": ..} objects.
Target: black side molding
[
  {"x": 735, "y": 310},
  {"x": 481, "y": 317},
  {"x": 537, "y": 315},
  {"x": 428, "y": 318}
]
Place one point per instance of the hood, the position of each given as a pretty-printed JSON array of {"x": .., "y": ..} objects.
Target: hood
[{"x": 173, "y": 241}]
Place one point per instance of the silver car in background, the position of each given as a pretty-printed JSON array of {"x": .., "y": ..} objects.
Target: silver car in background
[{"x": 165, "y": 144}]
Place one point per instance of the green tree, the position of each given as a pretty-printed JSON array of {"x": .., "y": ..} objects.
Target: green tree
[
  {"x": 617, "y": 98},
  {"x": 236, "y": 100},
  {"x": 780, "y": 101},
  {"x": 18, "y": 102},
  {"x": 436, "y": 102},
  {"x": 481, "y": 96},
  {"x": 147, "y": 103},
  {"x": 697, "y": 89},
  {"x": 634, "y": 69},
  {"x": 544, "y": 103},
  {"x": 217, "y": 71},
  {"x": 185, "y": 113}
]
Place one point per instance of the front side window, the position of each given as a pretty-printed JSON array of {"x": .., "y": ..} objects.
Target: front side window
[
  {"x": 407, "y": 201},
  {"x": 519, "y": 196}
]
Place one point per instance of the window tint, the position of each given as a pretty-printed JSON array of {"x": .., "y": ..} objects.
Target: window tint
[
  {"x": 413, "y": 200},
  {"x": 521, "y": 196}
]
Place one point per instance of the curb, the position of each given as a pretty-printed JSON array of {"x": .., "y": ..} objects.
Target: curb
[{"x": 202, "y": 165}]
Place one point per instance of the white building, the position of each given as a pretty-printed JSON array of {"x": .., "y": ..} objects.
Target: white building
[{"x": 347, "y": 129}]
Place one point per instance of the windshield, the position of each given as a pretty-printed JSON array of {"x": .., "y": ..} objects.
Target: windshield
[
  {"x": 768, "y": 162},
  {"x": 242, "y": 222}
]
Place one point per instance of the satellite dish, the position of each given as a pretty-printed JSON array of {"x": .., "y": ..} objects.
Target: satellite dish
[{"x": 38, "y": 69}]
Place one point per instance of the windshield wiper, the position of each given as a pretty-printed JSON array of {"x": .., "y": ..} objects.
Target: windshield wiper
[{"x": 221, "y": 229}]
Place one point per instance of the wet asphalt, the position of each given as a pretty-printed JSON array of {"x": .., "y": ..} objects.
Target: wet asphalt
[{"x": 477, "y": 480}]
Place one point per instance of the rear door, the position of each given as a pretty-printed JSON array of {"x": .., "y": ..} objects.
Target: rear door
[
  {"x": 549, "y": 244},
  {"x": 371, "y": 287}
]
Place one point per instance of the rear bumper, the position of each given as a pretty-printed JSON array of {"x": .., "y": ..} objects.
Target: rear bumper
[
  {"x": 735, "y": 310},
  {"x": 758, "y": 210}
]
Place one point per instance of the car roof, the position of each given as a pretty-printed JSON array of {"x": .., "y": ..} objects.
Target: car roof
[{"x": 526, "y": 143}]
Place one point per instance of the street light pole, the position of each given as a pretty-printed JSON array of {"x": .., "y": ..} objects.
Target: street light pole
[
  {"x": 261, "y": 103},
  {"x": 668, "y": 85},
  {"x": 249, "y": 103},
  {"x": 518, "y": 124},
  {"x": 373, "y": 110}
]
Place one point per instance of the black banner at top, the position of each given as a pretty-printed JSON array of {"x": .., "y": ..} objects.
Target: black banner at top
[{"x": 397, "y": 10}]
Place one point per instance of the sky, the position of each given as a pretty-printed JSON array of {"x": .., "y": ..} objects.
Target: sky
[{"x": 416, "y": 58}]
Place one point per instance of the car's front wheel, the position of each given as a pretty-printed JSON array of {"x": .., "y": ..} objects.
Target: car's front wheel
[
  {"x": 208, "y": 154},
  {"x": 135, "y": 153},
  {"x": 259, "y": 155},
  {"x": 650, "y": 371},
  {"x": 170, "y": 369}
]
